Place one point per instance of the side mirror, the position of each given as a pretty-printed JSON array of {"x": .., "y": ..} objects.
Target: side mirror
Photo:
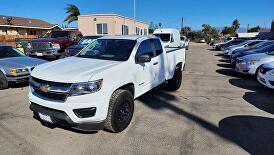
[{"x": 143, "y": 58}]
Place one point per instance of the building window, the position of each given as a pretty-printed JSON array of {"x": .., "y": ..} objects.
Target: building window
[
  {"x": 102, "y": 28},
  {"x": 145, "y": 32},
  {"x": 139, "y": 31},
  {"x": 32, "y": 32},
  {"x": 124, "y": 30}
]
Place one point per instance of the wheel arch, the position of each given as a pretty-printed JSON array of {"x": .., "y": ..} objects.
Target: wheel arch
[{"x": 130, "y": 87}]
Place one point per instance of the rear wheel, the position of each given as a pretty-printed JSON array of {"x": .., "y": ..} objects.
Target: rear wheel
[
  {"x": 121, "y": 108},
  {"x": 175, "y": 83},
  {"x": 3, "y": 81}
]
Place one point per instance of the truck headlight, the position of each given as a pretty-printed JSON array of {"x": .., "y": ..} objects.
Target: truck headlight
[
  {"x": 55, "y": 46},
  {"x": 86, "y": 87},
  {"x": 18, "y": 71}
]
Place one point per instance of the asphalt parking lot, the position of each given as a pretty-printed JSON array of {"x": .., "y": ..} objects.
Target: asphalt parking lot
[{"x": 216, "y": 111}]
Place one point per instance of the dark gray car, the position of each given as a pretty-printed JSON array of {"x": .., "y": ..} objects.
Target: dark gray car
[{"x": 15, "y": 67}]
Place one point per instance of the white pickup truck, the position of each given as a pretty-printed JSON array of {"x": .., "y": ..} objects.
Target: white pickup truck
[{"x": 96, "y": 89}]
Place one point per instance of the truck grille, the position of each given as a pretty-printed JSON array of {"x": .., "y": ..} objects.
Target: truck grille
[
  {"x": 36, "y": 84},
  {"x": 40, "y": 45}
]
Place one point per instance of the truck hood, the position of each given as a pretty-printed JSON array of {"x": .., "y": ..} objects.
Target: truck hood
[
  {"x": 72, "y": 69},
  {"x": 20, "y": 62}
]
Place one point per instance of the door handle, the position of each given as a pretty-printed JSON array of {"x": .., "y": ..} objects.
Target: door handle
[{"x": 155, "y": 63}]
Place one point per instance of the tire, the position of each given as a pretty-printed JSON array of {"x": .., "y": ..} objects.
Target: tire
[
  {"x": 3, "y": 81},
  {"x": 120, "y": 112},
  {"x": 176, "y": 81}
]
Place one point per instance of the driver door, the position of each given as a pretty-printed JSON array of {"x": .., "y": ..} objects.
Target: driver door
[{"x": 144, "y": 73}]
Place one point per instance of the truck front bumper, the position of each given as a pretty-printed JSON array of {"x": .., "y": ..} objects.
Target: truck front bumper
[
  {"x": 59, "y": 117},
  {"x": 84, "y": 112},
  {"x": 48, "y": 53}
]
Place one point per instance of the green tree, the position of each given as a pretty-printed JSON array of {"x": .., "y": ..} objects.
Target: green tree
[
  {"x": 73, "y": 13},
  {"x": 228, "y": 30},
  {"x": 209, "y": 32},
  {"x": 160, "y": 24},
  {"x": 236, "y": 25},
  {"x": 185, "y": 31},
  {"x": 151, "y": 28},
  {"x": 254, "y": 29}
]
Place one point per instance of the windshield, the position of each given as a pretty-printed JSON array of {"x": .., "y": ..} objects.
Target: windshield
[
  {"x": 8, "y": 51},
  {"x": 165, "y": 37},
  {"x": 243, "y": 43},
  {"x": 85, "y": 41},
  {"x": 57, "y": 34},
  {"x": 109, "y": 49},
  {"x": 262, "y": 44}
]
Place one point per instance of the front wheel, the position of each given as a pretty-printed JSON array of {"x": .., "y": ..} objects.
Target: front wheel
[
  {"x": 121, "y": 108},
  {"x": 3, "y": 81},
  {"x": 176, "y": 81}
]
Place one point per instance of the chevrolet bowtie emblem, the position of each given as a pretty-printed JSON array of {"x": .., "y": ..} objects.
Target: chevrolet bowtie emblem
[{"x": 44, "y": 88}]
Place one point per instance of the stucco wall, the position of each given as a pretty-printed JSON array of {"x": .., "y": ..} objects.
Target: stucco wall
[{"x": 87, "y": 24}]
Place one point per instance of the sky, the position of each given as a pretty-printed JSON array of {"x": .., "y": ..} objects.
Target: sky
[{"x": 218, "y": 13}]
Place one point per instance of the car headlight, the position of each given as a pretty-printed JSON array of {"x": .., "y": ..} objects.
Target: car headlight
[
  {"x": 18, "y": 71},
  {"x": 86, "y": 87},
  {"x": 251, "y": 62},
  {"x": 55, "y": 46}
]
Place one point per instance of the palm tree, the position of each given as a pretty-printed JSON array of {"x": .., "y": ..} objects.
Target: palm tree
[
  {"x": 236, "y": 25},
  {"x": 73, "y": 12}
]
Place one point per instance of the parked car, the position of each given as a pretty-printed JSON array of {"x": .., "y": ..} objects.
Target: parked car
[
  {"x": 264, "y": 49},
  {"x": 86, "y": 91},
  {"x": 256, "y": 46},
  {"x": 266, "y": 75},
  {"x": 250, "y": 64},
  {"x": 53, "y": 44},
  {"x": 202, "y": 40},
  {"x": 169, "y": 37},
  {"x": 15, "y": 67},
  {"x": 228, "y": 43},
  {"x": 184, "y": 42},
  {"x": 228, "y": 51},
  {"x": 75, "y": 49}
]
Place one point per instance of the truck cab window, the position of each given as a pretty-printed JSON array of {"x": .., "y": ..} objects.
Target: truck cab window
[
  {"x": 158, "y": 47},
  {"x": 145, "y": 48}
]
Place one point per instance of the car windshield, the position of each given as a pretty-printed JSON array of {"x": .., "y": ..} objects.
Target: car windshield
[
  {"x": 56, "y": 34},
  {"x": 86, "y": 41},
  {"x": 8, "y": 51},
  {"x": 109, "y": 49},
  {"x": 262, "y": 44},
  {"x": 243, "y": 43},
  {"x": 164, "y": 37}
]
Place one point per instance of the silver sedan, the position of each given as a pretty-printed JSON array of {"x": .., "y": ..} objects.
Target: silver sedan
[{"x": 15, "y": 67}]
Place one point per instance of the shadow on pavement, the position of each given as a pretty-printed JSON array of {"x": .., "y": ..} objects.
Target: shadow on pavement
[
  {"x": 224, "y": 65},
  {"x": 260, "y": 96},
  {"x": 225, "y": 60},
  {"x": 232, "y": 73},
  {"x": 245, "y": 131}
]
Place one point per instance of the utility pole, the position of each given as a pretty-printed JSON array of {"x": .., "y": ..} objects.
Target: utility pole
[
  {"x": 247, "y": 27},
  {"x": 134, "y": 14},
  {"x": 182, "y": 26}
]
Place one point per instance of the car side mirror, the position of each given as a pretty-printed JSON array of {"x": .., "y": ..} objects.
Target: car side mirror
[{"x": 143, "y": 58}]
